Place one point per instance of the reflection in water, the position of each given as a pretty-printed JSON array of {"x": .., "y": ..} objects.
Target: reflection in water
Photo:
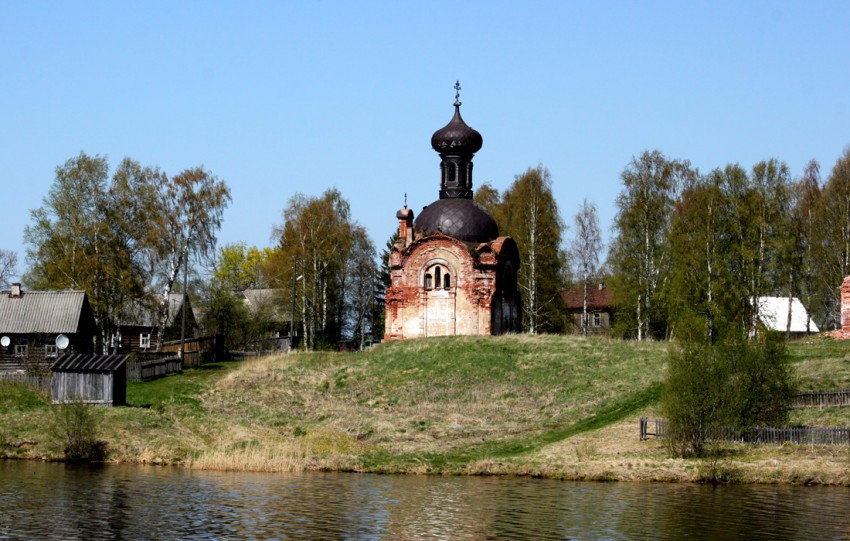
[{"x": 55, "y": 501}]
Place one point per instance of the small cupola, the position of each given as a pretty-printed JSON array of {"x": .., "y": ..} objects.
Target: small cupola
[{"x": 456, "y": 143}]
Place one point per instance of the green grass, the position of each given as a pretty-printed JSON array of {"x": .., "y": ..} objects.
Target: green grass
[
  {"x": 450, "y": 401},
  {"x": 20, "y": 398},
  {"x": 437, "y": 404},
  {"x": 183, "y": 389}
]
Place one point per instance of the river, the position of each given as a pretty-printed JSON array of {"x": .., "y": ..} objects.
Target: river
[{"x": 55, "y": 501}]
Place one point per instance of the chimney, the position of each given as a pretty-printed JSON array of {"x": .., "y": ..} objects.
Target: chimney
[
  {"x": 16, "y": 291},
  {"x": 405, "y": 226}
]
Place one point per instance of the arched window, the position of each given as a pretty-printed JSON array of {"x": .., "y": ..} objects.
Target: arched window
[{"x": 437, "y": 276}]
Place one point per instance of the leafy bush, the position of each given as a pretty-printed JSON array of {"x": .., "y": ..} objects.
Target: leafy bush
[
  {"x": 76, "y": 425},
  {"x": 739, "y": 384},
  {"x": 694, "y": 399}
]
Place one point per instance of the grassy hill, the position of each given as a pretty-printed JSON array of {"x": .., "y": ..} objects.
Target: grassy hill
[{"x": 547, "y": 405}]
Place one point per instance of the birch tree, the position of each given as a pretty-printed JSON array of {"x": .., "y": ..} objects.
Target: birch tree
[
  {"x": 585, "y": 248},
  {"x": 836, "y": 229},
  {"x": 814, "y": 290},
  {"x": 769, "y": 206},
  {"x": 639, "y": 253},
  {"x": 92, "y": 233},
  {"x": 191, "y": 208},
  {"x": 328, "y": 246},
  {"x": 529, "y": 213}
]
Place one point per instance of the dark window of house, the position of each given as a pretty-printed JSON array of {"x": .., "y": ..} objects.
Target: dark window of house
[
  {"x": 447, "y": 281},
  {"x": 145, "y": 340},
  {"x": 597, "y": 319},
  {"x": 437, "y": 277},
  {"x": 21, "y": 348},
  {"x": 428, "y": 283},
  {"x": 50, "y": 350}
]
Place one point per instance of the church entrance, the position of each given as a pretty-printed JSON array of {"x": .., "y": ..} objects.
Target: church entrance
[{"x": 439, "y": 300}]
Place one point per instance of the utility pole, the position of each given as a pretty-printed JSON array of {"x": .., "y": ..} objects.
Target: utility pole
[
  {"x": 292, "y": 305},
  {"x": 185, "y": 301}
]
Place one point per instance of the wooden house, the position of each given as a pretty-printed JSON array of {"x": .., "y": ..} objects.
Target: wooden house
[
  {"x": 92, "y": 379},
  {"x": 36, "y": 327},
  {"x": 271, "y": 308},
  {"x": 600, "y": 309},
  {"x": 138, "y": 326}
]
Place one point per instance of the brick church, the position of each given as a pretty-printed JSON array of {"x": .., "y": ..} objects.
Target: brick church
[{"x": 451, "y": 271}]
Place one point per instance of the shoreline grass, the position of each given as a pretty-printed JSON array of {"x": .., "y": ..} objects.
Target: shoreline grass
[{"x": 551, "y": 406}]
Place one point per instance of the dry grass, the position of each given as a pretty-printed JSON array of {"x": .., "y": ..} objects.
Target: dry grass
[{"x": 498, "y": 405}]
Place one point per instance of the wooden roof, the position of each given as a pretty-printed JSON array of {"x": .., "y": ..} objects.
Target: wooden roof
[
  {"x": 138, "y": 313},
  {"x": 597, "y": 297},
  {"x": 89, "y": 363},
  {"x": 42, "y": 312}
]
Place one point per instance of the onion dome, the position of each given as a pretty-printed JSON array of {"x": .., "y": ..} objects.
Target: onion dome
[
  {"x": 456, "y": 142},
  {"x": 461, "y": 218},
  {"x": 456, "y": 138}
]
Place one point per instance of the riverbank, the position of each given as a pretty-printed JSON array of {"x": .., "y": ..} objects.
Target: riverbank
[{"x": 552, "y": 406}]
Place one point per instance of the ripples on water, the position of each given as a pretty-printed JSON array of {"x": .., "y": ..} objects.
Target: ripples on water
[{"x": 54, "y": 501}]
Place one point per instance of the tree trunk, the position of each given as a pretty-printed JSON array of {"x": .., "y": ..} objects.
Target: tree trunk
[
  {"x": 790, "y": 304},
  {"x": 584, "y": 309},
  {"x": 176, "y": 265}
]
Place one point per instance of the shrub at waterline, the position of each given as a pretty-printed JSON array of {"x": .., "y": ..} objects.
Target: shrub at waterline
[
  {"x": 75, "y": 424},
  {"x": 739, "y": 384}
]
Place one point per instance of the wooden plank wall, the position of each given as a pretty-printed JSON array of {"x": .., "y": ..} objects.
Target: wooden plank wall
[
  {"x": 42, "y": 383},
  {"x": 197, "y": 350},
  {"x": 802, "y": 435},
  {"x": 88, "y": 387},
  {"x": 145, "y": 370},
  {"x": 822, "y": 399}
]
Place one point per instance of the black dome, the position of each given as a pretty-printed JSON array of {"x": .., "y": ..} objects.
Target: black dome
[
  {"x": 456, "y": 138},
  {"x": 463, "y": 219}
]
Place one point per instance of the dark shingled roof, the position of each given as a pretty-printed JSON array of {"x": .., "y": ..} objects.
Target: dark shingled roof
[
  {"x": 89, "y": 363},
  {"x": 463, "y": 219},
  {"x": 596, "y": 298},
  {"x": 139, "y": 314},
  {"x": 456, "y": 137},
  {"x": 41, "y": 312}
]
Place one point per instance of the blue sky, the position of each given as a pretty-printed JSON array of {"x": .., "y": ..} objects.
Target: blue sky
[{"x": 285, "y": 97}]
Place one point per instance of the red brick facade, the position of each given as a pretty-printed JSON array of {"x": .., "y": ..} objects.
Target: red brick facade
[
  {"x": 442, "y": 286},
  {"x": 843, "y": 332}
]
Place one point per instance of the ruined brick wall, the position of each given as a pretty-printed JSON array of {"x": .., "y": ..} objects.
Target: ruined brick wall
[
  {"x": 845, "y": 306},
  {"x": 418, "y": 308}
]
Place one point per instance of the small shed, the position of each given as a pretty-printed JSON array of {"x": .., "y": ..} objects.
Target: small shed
[{"x": 91, "y": 379}]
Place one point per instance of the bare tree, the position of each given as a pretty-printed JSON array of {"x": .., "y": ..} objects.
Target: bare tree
[
  {"x": 193, "y": 204},
  {"x": 8, "y": 262},
  {"x": 585, "y": 247}
]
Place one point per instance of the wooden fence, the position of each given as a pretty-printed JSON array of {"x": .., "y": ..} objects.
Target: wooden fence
[
  {"x": 821, "y": 399},
  {"x": 148, "y": 369},
  {"x": 42, "y": 383},
  {"x": 803, "y": 435},
  {"x": 197, "y": 351}
]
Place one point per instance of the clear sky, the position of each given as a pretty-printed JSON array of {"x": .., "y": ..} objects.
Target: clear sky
[{"x": 284, "y": 97}]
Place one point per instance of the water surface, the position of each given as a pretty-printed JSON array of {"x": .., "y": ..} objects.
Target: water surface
[{"x": 55, "y": 501}]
